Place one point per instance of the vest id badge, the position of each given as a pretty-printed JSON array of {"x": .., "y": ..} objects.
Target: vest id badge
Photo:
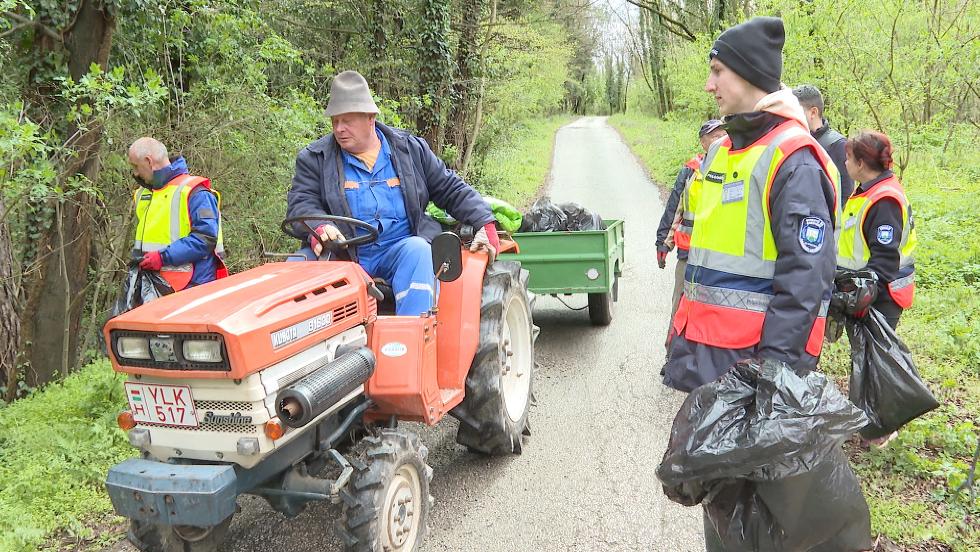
[{"x": 733, "y": 192}]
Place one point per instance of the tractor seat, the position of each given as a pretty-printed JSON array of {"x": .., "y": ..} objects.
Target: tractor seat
[{"x": 386, "y": 306}]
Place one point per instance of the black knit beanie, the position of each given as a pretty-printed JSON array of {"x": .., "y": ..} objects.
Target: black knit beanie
[{"x": 754, "y": 50}]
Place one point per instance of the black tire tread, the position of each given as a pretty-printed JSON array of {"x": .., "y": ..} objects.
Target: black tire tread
[
  {"x": 484, "y": 426},
  {"x": 379, "y": 456},
  {"x": 149, "y": 537}
]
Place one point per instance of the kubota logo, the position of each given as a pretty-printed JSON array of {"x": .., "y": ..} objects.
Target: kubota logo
[{"x": 394, "y": 349}]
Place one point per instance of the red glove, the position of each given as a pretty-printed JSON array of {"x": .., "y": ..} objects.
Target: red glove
[
  {"x": 152, "y": 261},
  {"x": 662, "y": 257},
  {"x": 491, "y": 228}
]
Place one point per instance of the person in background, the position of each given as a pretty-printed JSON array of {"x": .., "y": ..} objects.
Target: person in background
[
  {"x": 878, "y": 232},
  {"x": 677, "y": 221},
  {"x": 831, "y": 140},
  {"x": 386, "y": 177},
  {"x": 178, "y": 222}
]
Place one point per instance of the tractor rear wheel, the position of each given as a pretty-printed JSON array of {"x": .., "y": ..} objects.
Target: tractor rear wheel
[
  {"x": 386, "y": 503},
  {"x": 493, "y": 415},
  {"x": 149, "y": 537}
]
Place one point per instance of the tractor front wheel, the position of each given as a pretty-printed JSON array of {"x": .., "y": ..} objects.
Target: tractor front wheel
[
  {"x": 386, "y": 503},
  {"x": 493, "y": 416}
]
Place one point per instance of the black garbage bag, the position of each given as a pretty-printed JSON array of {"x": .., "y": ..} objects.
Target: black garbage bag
[
  {"x": 544, "y": 216},
  {"x": 141, "y": 286},
  {"x": 579, "y": 218},
  {"x": 760, "y": 449},
  {"x": 884, "y": 382}
]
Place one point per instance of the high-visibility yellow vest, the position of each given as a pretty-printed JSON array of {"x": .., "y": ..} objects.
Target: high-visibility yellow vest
[
  {"x": 163, "y": 217},
  {"x": 852, "y": 246},
  {"x": 732, "y": 259},
  {"x": 682, "y": 236}
]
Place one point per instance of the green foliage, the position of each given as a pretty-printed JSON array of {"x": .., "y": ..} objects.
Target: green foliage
[
  {"x": 528, "y": 69},
  {"x": 911, "y": 484},
  {"x": 515, "y": 170},
  {"x": 55, "y": 449},
  {"x": 662, "y": 146}
]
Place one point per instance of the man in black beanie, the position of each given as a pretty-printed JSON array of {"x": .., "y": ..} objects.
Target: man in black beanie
[{"x": 762, "y": 254}]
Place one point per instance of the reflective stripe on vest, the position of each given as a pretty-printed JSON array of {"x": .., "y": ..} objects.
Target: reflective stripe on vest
[
  {"x": 163, "y": 217},
  {"x": 852, "y": 247},
  {"x": 682, "y": 235},
  {"x": 732, "y": 259}
]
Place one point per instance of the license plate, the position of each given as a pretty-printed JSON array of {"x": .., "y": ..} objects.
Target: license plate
[{"x": 161, "y": 404}]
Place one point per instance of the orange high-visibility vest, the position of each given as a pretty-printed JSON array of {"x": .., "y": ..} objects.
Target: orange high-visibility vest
[
  {"x": 732, "y": 260},
  {"x": 682, "y": 235},
  {"x": 852, "y": 247},
  {"x": 163, "y": 217}
]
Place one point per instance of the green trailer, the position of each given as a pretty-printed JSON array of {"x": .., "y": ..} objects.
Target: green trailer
[{"x": 564, "y": 263}]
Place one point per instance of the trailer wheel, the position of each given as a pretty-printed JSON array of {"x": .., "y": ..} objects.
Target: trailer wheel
[
  {"x": 386, "y": 503},
  {"x": 601, "y": 305},
  {"x": 494, "y": 412},
  {"x": 149, "y": 537}
]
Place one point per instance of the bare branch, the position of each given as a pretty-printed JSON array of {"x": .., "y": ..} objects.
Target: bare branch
[
  {"x": 676, "y": 27},
  {"x": 36, "y": 24},
  {"x": 14, "y": 29}
]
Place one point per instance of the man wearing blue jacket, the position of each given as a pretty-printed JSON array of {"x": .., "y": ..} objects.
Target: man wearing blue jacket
[
  {"x": 178, "y": 223},
  {"x": 386, "y": 177}
]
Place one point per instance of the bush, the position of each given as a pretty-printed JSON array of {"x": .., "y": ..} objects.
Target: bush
[{"x": 55, "y": 449}]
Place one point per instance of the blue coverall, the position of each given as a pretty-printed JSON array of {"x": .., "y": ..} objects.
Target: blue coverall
[{"x": 404, "y": 260}]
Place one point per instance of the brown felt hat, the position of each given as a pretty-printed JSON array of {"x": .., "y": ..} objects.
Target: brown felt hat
[{"x": 349, "y": 93}]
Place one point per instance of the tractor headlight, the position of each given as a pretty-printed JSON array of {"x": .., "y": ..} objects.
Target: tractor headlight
[
  {"x": 170, "y": 351},
  {"x": 199, "y": 350},
  {"x": 135, "y": 347}
]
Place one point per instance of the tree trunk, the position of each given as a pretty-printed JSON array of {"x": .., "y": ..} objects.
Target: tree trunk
[
  {"x": 9, "y": 314},
  {"x": 56, "y": 297},
  {"x": 478, "y": 118},
  {"x": 468, "y": 58},
  {"x": 435, "y": 69}
]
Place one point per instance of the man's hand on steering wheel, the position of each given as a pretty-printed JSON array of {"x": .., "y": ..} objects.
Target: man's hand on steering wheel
[
  {"x": 324, "y": 233},
  {"x": 327, "y": 233}
]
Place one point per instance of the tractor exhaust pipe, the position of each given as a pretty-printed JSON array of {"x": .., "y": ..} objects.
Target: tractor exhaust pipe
[{"x": 312, "y": 395}]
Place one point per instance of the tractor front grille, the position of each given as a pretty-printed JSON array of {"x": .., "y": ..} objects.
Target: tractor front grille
[
  {"x": 229, "y": 406},
  {"x": 210, "y": 427}
]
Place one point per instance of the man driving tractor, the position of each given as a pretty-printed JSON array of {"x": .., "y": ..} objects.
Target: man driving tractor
[{"x": 385, "y": 177}]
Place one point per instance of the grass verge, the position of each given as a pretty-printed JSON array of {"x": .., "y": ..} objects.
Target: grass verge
[
  {"x": 57, "y": 444},
  {"x": 911, "y": 484},
  {"x": 514, "y": 170}
]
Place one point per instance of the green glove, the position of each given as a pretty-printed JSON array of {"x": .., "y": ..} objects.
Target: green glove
[
  {"x": 507, "y": 216},
  {"x": 441, "y": 216}
]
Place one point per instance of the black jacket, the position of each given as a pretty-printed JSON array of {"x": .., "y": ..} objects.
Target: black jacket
[
  {"x": 317, "y": 187},
  {"x": 670, "y": 211},
  {"x": 801, "y": 281},
  {"x": 834, "y": 143}
]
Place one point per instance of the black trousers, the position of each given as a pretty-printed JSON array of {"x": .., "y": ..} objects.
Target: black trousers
[{"x": 889, "y": 308}]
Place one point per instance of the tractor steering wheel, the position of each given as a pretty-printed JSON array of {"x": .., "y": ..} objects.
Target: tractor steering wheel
[{"x": 304, "y": 222}]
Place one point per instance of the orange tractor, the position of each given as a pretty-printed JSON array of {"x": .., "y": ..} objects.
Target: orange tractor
[{"x": 288, "y": 381}]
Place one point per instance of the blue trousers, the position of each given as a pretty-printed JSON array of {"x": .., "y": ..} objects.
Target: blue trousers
[{"x": 405, "y": 264}]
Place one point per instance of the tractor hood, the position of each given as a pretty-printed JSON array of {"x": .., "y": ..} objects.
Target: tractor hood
[{"x": 263, "y": 315}]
